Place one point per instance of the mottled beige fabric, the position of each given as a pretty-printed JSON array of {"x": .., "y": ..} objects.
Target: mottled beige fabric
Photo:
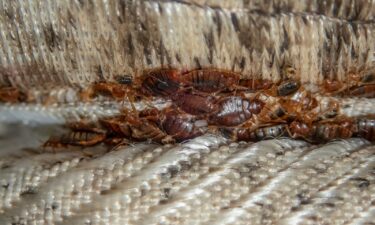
[{"x": 58, "y": 43}]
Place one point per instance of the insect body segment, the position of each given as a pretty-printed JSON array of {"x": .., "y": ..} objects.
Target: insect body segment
[
  {"x": 195, "y": 103},
  {"x": 210, "y": 81},
  {"x": 255, "y": 134},
  {"x": 182, "y": 126},
  {"x": 235, "y": 110}
]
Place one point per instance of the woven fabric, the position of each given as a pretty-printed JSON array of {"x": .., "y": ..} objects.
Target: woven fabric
[{"x": 203, "y": 181}]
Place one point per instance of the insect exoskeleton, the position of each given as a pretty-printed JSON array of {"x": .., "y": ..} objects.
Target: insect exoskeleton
[
  {"x": 75, "y": 138},
  {"x": 210, "y": 80},
  {"x": 195, "y": 103},
  {"x": 366, "y": 128},
  {"x": 235, "y": 110},
  {"x": 161, "y": 82},
  {"x": 182, "y": 126}
]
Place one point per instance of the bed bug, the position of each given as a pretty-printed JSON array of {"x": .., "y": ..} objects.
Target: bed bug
[
  {"x": 76, "y": 138},
  {"x": 82, "y": 138},
  {"x": 256, "y": 84},
  {"x": 146, "y": 130},
  {"x": 81, "y": 134},
  {"x": 287, "y": 87},
  {"x": 195, "y": 103},
  {"x": 359, "y": 85},
  {"x": 161, "y": 82},
  {"x": 210, "y": 80},
  {"x": 334, "y": 130},
  {"x": 235, "y": 110},
  {"x": 257, "y": 134},
  {"x": 182, "y": 126},
  {"x": 11, "y": 94},
  {"x": 146, "y": 127},
  {"x": 366, "y": 128},
  {"x": 54, "y": 142},
  {"x": 367, "y": 91},
  {"x": 301, "y": 105}
]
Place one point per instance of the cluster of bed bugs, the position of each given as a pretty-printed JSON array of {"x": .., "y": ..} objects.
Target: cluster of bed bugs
[{"x": 216, "y": 101}]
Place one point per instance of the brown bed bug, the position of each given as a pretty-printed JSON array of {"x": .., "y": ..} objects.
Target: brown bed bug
[
  {"x": 195, "y": 103},
  {"x": 161, "y": 82},
  {"x": 210, "y": 80},
  {"x": 81, "y": 134},
  {"x": 253, "y": 85},
  {"x": 323, "y": 131},
  {"x": 338, "y": 129},
  {"x": 82, "y": 138},
  {"x": 235, "y": 110},
  {"x": 367, "y": 91},
  {"x": 182, "y": 126},
  {"x": 146, "y": 127},
  {"x": 11, "y": 94},
  {"x": 366, "y": 128},
  {"x": 300, "y": 105},
  {"x": 146, "y": 130},
  {"x": 76, "y": 138},
  {"x": 257, "y": 134}
]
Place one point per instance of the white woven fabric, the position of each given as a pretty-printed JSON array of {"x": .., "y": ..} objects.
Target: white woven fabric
[{"x": 203, "y": 181}]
